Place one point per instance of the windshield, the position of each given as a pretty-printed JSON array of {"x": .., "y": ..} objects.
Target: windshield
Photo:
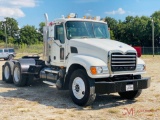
[{"x": 79, "y": 29}]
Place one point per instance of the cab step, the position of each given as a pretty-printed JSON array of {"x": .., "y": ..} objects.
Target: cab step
[{"x": 49, "y": 83}]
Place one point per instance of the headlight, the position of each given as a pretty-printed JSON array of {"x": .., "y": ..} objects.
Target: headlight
[
  {"x": 140, "y": 68},
  {"x": 99, "y": 70}
]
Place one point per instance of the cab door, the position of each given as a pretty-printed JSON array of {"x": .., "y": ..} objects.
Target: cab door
[{"x": 58, "y": 46}]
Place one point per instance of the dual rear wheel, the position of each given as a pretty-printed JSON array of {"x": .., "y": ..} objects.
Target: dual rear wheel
[{"x": 12, "y": 74}]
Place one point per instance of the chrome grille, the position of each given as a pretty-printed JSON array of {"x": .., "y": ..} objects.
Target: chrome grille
[{"x": 123, "y": 62}]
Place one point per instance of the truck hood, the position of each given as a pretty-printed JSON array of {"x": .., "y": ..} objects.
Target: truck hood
[{"x": 103, "y": 44}]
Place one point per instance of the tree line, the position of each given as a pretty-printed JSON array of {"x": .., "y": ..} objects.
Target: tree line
[
  {"x": 135, "y": 31},
  {"x": 26, "y": 35}
]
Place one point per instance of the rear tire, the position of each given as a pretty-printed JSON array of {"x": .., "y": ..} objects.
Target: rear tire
[
  {"x": 82, "y": 88},
  {"x": 7, "y": 72},
  {"x": 19, "y": 79},
  {"x": 130, "y": 94}
]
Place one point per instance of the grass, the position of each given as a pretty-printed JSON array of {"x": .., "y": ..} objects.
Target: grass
[
  {"x": 22, "y": 50},
  {"x": 157, "y": 95},
  {"x": 36, "y": 48},
  {"x": 24, "y": 110},
  {"x": 113, "y": 111},
  {"x": 60, "y": 112}
]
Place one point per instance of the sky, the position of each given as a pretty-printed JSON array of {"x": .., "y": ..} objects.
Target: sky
[{"x": 31, "y": 12}]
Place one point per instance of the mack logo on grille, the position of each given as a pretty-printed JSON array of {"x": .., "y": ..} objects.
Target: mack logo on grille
[{"x": 123, "y": 62}]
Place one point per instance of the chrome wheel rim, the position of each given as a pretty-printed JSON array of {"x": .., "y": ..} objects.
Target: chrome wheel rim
[
  {"x": 17, "y": 74},
  {"x": 6, "y": 72}
]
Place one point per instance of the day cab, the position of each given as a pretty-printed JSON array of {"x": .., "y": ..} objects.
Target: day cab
[{"x": 79, "y": 56}]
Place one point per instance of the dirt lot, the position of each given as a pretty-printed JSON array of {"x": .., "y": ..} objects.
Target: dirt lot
[{"x": 43, "y": 102}]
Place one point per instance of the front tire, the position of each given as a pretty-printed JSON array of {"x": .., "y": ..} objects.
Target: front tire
[
  {"x": 82, "y": 88},
  {"x": 18, "y": 78},
  {"x": 130, "y": 94}
]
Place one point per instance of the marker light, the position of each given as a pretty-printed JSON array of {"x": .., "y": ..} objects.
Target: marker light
[{"x": 72, "y": 15}]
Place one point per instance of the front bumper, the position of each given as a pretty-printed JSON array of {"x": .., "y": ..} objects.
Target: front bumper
[{"x": 120, "y": 86}]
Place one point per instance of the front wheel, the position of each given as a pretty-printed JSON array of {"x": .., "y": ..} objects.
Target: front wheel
[
  {"x": 18, "y": 78},
  {"x": 130, "y": 94},
  {"x": 82, "y": 88}
]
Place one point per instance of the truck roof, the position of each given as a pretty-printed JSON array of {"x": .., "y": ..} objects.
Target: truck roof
[{"x": 77, "y": 19}]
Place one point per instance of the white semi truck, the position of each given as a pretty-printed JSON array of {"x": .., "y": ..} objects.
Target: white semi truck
[{"x": 79, "y": 56}]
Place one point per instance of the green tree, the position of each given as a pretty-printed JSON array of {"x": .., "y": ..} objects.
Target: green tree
[
  {"x": 112, "y": 24},
  {"x": 29, "y": 35},
  {"x": 141, "y": 29},
  {"x": 128, "y": 34},
  {"x": 156, "y": 19},
  {"x": 156, "y": 15},
  {"x": 120, "y": 34},
  {"x": 41, "y": 25},
  {"x": 11, "y": 29},
  {"x": 11, "y": 26},
  {"x": 2, "y": 36},
  {"x": 134, "y": 31}
]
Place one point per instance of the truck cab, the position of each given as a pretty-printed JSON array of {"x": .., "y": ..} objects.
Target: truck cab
[{"x": 79, "y": 56}]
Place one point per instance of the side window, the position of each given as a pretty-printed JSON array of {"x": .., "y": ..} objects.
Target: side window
[
  {"x": 5, "y": 50},
  {"x": 59, "y": 33},
  {"x": 1, "y": 50},
  {"x": 11, "y": 50}
]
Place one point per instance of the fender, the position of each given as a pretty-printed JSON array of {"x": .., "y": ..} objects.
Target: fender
[
  {"x": 26, "y": 63},
  {"x": 87, "y": 62}
]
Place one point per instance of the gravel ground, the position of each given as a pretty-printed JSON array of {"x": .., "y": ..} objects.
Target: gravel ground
[{"x": 43, "y": 102}]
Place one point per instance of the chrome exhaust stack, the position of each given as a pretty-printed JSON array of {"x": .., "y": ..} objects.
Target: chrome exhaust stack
[{"x": 45, "y": 40}]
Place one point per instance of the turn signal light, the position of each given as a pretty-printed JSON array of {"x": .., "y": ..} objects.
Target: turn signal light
[{"x": 93, "y": 70}]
